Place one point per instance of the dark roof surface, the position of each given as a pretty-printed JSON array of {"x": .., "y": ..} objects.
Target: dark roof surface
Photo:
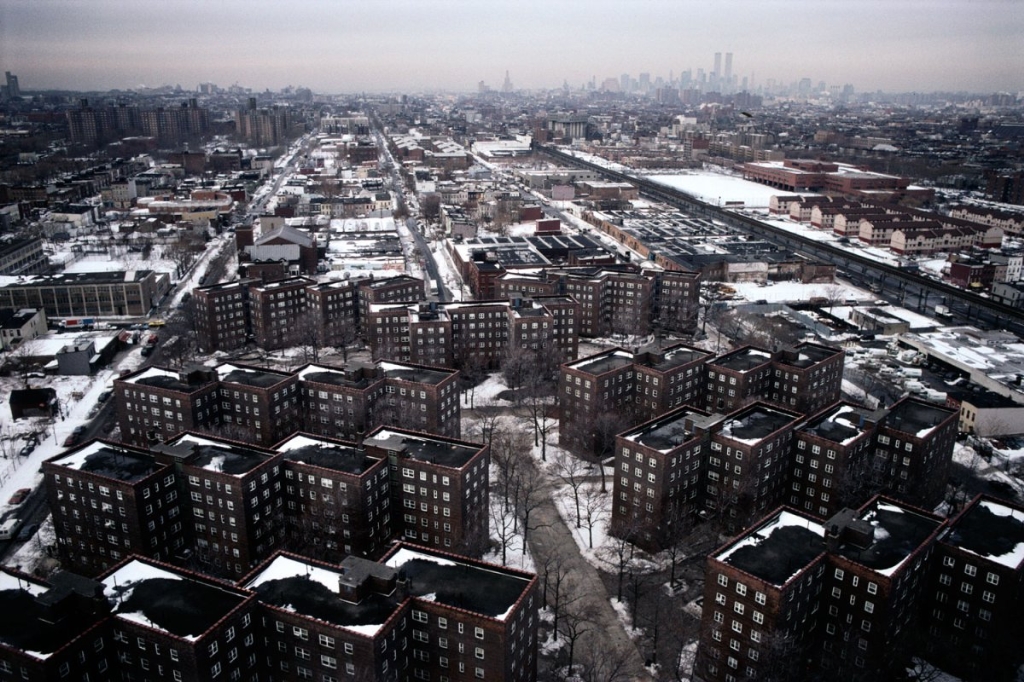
[
  {"x": 912, "y": 416},
  {"x": 742, "y": 360},
  {"x": 315, "y": 600},
  {"x": 463, "y": 586},
  {"x": 341, "y": 458},
  {"x": 425, "y": 448},
  {"x": 257, "y": 379},
  {"x": 121, "y": 465},
  {"x": 786, "y": 550},
  {"x": 754, "y": 423},
  {"x": 898, "y": 533},
  {"x": 987, "y": 534},
  {"x": 25, "y": 623},
  {"x": 182, "y": 607},
  {"x": 233, "y": 460}
]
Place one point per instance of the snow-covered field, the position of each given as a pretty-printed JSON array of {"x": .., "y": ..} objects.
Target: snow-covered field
[{"x": 719, "y": 188}]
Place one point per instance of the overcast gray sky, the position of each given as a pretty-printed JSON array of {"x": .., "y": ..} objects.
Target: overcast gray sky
[{"x": 412, "y": 45}]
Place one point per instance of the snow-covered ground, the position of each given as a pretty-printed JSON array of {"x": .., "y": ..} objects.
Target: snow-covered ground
[
  {"x": 719, "y": 188},
  {"x": 796, "y": 292}
]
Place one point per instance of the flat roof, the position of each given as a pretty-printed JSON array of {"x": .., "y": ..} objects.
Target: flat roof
[
  {"x": 915, "y": 417},
  {"x": 228, "y": 458},
  {"x": 424, "y": 448},
  {"x": 842, "y": 424},
  {"x": 110, "y": 461},
  {"x": 314, "y": 451},
  {"x": 420, "y": 375},
  {"x": 159, "y": 378},
  {"x": 755, "y": 423},
  {"x": 898, "y": 533},
  {"x": 743, "y": 360},
  {"x": 808, "y": 354},
  {"x": 314, "y": 591},
  {"x": 678, "y": 355},
  {"x": 26, "y": 623},
  {"x": 334, "y": 376},
  {"x": 991, "y": 529},
  {"x": 670, "y": 431},
  {"x": 601, "y": 363},
  {"x": 249, "y": 376},
  {"x": 172, "y": 602},
  {"x": 778, "y": 549},
  {"x": 487, "y": 590}
]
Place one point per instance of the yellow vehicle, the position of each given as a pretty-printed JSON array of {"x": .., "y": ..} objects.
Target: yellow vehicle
[{"x": 156, "y": 323}]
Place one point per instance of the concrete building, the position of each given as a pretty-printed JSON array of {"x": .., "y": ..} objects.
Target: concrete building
[{"x": 89, "y": 293}]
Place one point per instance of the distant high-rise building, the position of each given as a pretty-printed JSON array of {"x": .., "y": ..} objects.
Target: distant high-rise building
[
  {"x": 718, "y": 66},
  {"x": 507, "y": 85},
  {"x": 728, "y": 67},
  {"x": 13, "y": 89}
]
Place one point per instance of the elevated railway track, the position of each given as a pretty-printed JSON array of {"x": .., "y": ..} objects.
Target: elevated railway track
[{"x": 904, "y": 286}]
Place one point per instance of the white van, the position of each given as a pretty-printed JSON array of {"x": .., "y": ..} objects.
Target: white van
[{"x": 9, "y": 528}]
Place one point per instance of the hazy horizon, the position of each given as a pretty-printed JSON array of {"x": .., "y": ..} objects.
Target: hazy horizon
[{"x": 405, "y": 45}]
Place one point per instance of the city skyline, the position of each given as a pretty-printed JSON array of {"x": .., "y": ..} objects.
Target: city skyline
[{"x": 437, "y": 45}]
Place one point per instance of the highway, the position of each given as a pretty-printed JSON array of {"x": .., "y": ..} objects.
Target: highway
[{"x": 889, "y": 282}]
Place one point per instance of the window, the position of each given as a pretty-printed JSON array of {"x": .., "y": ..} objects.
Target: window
[
  {"x": 326, "y": 642},
  {"x": 992, "y": 579},
  {"x": 970, "y": 570},
  {"x": 478, "y": 633},
  {"x": 479, "y": 652}
]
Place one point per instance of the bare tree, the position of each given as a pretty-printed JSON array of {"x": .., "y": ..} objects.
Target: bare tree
[
  {"x": 573, "y": 472},
  {"x": 599, "y": 664},
  {"x": 593, "y": 510},
  {"x": 503, "y": 525},
  {"x": 309, "y": 332},
  {"x": 430, "y": 207},
  {"x": 529, "y": 496},
  {"x": 577, "y": 619}
]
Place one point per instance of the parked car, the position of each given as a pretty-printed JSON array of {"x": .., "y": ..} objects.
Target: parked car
[
  {"x": 27, "y": 450},
  {"x": 19, "y": 496},
  {"x": 71, "y": 440},
  {"x": 105, "y": 396},
  {"x": 79, "y": 430},
  {"x": 28, "y": 531}
]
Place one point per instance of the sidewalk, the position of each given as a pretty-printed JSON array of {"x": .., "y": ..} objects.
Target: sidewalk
[{"x": 551, "y": 532}]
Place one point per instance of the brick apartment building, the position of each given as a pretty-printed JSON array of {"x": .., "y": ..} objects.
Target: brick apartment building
[
  {"x": 832, "y": 452},
  {"x": 416, "y": 614},
  {"x": 973, "y": 627},
  {"x": 625, "y": 388},
  {"x": 226, "y": 506},
  {"x": 760, "y": 456},
  {"x": 439, "y": 485},
  {"x": 748, "y": 463},
  {"x": 913, "y": 451},
  {"x": 659, "y": 476},
  {"x": 615, "y": 299},
  {"x": 292, "y": 311},
  {"x": 478, "y": 332},
  {"x": 264, "y": 406},
  {"x": 793, "y": 596},
  {"x": 278, "y": 313},
  {"x": 805, "y": 378},
  {"x": 337, "y": 498}
]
